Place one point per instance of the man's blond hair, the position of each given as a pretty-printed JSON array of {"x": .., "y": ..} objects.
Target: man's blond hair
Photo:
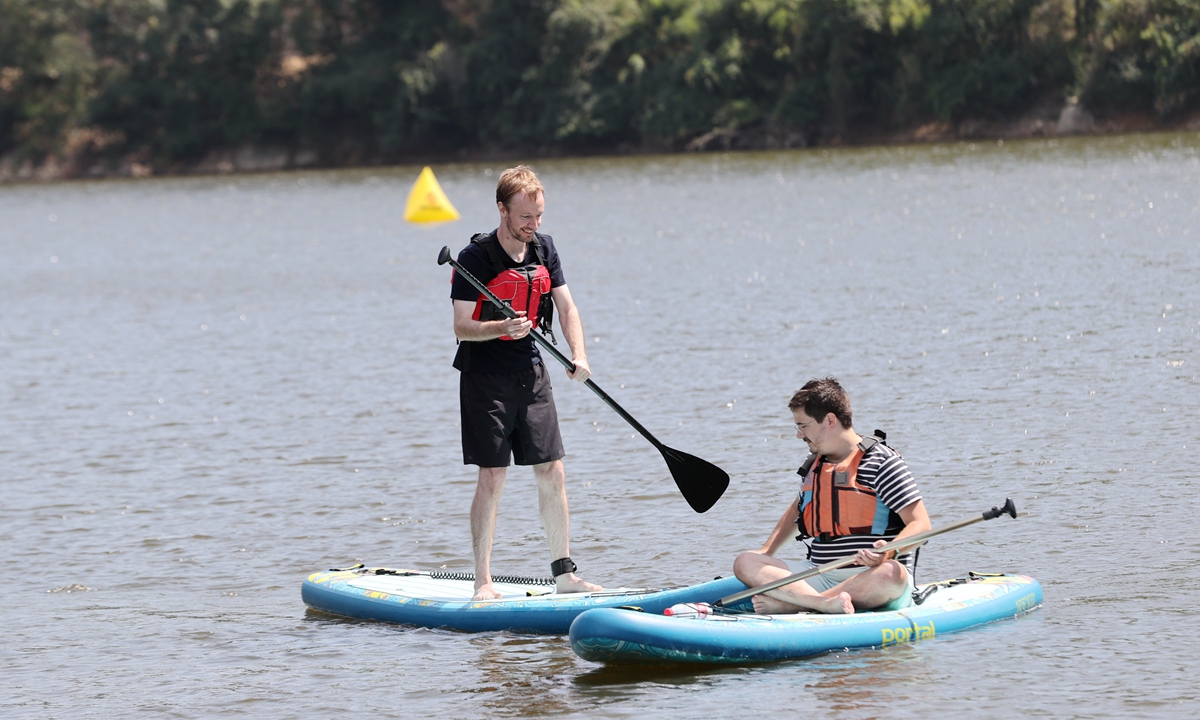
[{"x": 520, "y": 179}]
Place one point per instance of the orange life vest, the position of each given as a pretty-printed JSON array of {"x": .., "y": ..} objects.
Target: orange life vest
[{"x": 833, "y": 504}]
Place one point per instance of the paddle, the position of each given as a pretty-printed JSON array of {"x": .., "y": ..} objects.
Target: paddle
[
  {"x": 701, "y": 482},
  {"x": 1008, "y": 509}
]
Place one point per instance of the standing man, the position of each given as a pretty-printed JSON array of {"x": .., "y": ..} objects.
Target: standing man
[
  {"x": 857, "y": 494},
  {"x": 505, "y": 397}
]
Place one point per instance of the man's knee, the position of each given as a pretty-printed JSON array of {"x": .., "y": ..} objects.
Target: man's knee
[
  {"x": 747, "y": 563},
  {"x": 891, "y": 575},
  {"x": 492, "y": 479},
  {"x": 896, "y": 572},
  {"x": 549, "y": 473}
]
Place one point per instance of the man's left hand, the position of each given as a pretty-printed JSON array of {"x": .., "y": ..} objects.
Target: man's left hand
[
  {"x": 582, "y": 371},
  {"x": 868, "y": 558}
]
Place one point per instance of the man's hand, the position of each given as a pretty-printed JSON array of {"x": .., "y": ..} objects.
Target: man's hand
[
  {"x": 516, "y": 328},
  {"x": 868, "y": 558},
  {"x": 582, "y": 371}
]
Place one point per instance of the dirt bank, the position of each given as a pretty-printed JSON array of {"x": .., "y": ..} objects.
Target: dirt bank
[{"x": 84, "y": 156}]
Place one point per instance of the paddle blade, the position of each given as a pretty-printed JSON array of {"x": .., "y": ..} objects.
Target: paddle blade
[{"x": 701, "y": 482}]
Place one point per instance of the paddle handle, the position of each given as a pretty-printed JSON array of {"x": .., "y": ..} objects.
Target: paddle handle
[
  {"x": 1009, "y": 509},
  {"x": 444, "y": 258}
]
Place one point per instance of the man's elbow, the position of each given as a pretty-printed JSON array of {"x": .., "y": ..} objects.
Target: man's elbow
[
  {"x": 920, "y": 523},
  {"x": 568, "y": 313},
  {"x": 916, "y": 517}
]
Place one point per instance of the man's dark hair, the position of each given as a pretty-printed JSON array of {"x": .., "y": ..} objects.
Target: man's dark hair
[{"x": 818, "y": 398}]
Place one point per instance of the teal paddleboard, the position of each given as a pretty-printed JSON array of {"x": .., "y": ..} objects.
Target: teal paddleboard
[
  {"x": 731, "y": 638},
  {"x": 442, "y": 599}
]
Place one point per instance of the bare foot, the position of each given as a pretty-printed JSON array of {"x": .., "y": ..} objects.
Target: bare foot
[
  {"x": 766, "y": 605},
  {"x": 840, "y": 605},
  {"x": 570, "y": 583},
  {"x": 486, "y": 592}
]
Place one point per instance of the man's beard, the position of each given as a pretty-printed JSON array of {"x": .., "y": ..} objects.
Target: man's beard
[{"x": 512, "y": 232}]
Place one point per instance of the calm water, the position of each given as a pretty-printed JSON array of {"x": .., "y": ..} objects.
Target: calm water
[{"x": 210, "y": 388}]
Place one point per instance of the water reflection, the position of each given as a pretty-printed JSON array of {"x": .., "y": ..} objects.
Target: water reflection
[
  {"x": 867, "y": 681},
  {"x": 523, "y": 676},
  {"x": 602, "y": 676}
]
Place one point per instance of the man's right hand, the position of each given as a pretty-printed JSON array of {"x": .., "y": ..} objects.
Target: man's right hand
[{"x": 516, "y": 328}]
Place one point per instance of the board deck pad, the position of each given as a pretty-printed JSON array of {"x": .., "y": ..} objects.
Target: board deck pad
[{"x": 434, "y": 588}]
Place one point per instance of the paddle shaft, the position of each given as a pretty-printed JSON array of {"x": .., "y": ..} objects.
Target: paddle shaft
[
  {"x": 505, "y": 308},
  {"x": 899, "y": 544}
]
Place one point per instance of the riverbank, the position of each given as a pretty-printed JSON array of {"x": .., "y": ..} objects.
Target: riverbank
[
  {"x": 122, "y": 88},
  {"x": 82, "y": 159}
]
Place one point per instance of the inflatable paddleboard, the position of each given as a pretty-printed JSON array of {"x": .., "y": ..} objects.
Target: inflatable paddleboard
[
  {"x": 730, "y": 638},
  {"x": 442, "y": 599}
]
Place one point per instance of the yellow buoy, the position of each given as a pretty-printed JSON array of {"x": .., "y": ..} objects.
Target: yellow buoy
[{"x": 427, "y": 203}]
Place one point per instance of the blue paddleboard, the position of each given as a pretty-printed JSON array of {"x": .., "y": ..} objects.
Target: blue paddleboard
[
  {"x": 442, "y": 599},
  {"x": 615, "y": 636}
]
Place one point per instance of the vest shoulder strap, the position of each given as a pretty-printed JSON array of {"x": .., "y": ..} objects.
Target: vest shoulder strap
[
  {"x": 491, "y": 246},
  {"x": 537, "y": 251},
  {"x": 803, "y": 471},
  {"x": 871, "y": 441}
]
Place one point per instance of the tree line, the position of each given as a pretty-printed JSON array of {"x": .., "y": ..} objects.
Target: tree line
[{"x": 365, "y": 81}]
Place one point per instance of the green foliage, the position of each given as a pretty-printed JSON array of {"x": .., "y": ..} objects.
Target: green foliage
[
  {"x": 376, "y": 80},
  {"x": 184, "y": 75},
  {"x": 44, "y": 75},
  {"x": 1147, "y": 55},
  {"x": 362, "y": 78},
  {"x": 982, "y": 59}
]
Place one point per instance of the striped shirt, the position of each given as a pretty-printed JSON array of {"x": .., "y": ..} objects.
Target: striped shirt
[{"x": 884, "y": 471}]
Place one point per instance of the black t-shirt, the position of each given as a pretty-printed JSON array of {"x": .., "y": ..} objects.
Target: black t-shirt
[{"x": 499, "y": 356}]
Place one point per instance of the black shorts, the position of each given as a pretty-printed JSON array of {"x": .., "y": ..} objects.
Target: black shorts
[{"x": 509, "y": 416}]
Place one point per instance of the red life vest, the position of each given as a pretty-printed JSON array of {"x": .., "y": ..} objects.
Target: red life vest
[
  {"x": 833, "y": 504},
  {"x": 523, "y": 288}
]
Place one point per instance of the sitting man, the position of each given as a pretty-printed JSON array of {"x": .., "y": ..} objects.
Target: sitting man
[{"x": 857, "y": 495}]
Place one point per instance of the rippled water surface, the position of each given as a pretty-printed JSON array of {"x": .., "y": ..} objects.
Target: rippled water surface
[{"x": 211, "y": 387}]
